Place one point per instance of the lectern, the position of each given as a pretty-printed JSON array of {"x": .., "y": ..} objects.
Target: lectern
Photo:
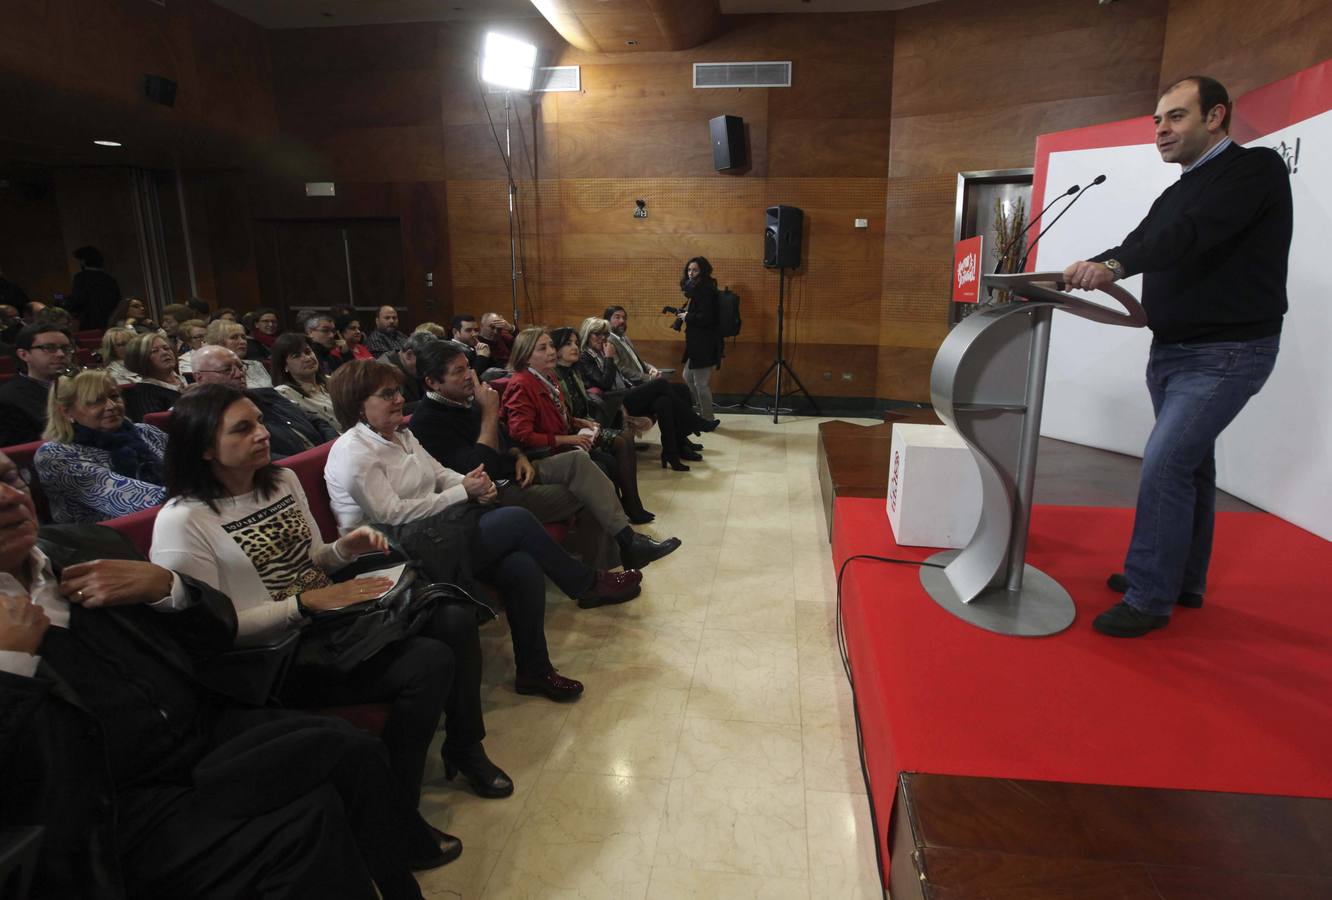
[{"x": 987, "y": 384}]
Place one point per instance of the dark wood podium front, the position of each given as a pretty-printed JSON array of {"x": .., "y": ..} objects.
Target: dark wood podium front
[{"x": 961, "y": 838}]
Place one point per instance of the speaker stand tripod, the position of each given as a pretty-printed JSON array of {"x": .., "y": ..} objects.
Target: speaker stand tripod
[{"x": 779, "y": 363}]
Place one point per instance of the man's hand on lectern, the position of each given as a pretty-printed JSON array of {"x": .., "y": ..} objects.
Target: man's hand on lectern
[{"x": 1088, "y": 276}]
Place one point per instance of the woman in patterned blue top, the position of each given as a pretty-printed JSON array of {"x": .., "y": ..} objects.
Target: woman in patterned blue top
[{"x": 96, "y": 463}]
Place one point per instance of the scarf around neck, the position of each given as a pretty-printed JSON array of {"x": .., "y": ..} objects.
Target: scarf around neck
[{"x": 131, "y": 456}]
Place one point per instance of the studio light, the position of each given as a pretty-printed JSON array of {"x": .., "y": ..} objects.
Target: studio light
[
  {"x": 508, "y": 62},
  {"x": 107, "y": 143}
]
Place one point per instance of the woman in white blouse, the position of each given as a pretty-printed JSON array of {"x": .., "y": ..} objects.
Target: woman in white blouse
[
  {"x": 241, "y": 525},
  {"x": 379, "y": 474}
]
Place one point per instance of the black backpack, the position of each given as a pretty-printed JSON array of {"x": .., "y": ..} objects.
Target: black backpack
[{"x": 728, "y": 313}]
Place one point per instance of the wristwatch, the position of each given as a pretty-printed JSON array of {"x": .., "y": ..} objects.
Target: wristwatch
[{"x": 1115, "y": 266}]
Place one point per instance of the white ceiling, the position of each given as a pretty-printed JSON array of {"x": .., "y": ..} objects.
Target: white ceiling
[{"x": 331, "y": 13}]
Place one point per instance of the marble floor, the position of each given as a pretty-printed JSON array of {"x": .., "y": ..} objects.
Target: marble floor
[{"x": 713, "y": 754}]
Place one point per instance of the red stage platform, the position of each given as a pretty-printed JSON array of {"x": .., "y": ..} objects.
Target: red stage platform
[{"x": 1236, "y": 696}]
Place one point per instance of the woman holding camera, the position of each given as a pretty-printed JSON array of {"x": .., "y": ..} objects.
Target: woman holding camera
[{"x": 703, "y": 343}]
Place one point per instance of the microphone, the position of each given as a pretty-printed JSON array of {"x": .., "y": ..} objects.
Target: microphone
[
  {"x": 1021, "y": 234},
  {"x": 1099, "y": 179}
]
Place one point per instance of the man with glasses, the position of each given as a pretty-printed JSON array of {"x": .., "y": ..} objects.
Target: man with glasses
[
  {"x": 46, "y": 352},
  {"x": 290, "y": 430},
  {"x": 323, "y": 335}
]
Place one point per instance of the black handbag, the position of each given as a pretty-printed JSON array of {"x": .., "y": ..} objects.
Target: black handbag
[{"x": 338, "y": 640}]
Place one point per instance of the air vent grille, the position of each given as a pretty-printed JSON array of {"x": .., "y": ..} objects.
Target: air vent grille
[
  {"x": 559, "y": 78},
  {"x": 742, "y": 74}
]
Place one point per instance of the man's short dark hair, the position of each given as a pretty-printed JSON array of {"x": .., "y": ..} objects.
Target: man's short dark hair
[
  {"x": 612, "y": 310},
  {"x": 28, "y": 335},
  {"x": 433, "y": 360},
  {"x": 458, "y": 320},
  {"x": 28, "y": 310},
  {"x": 1211, "y": 93},
  {"x": 200, "y": 306}
]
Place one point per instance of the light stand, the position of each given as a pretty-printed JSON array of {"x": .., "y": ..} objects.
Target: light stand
[
  {"x": 509, "y": 64},
  {"x": 779, "y": 363},
  {"x": 514, "y": 273}
]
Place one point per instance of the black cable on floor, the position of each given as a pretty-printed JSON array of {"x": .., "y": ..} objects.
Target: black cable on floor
[{"x": 855, "y": 707}]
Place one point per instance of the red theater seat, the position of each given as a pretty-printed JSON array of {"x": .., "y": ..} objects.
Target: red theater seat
[
  {"x": 309, "y": 468},
  {"x": 157, "y": 420},
  {"x": 138, "y": 527}
]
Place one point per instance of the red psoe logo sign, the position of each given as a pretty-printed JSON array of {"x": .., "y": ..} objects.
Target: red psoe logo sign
[{"x": 967, "y": 270}]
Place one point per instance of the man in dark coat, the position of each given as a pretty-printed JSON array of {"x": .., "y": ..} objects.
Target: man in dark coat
[
  {"x": 290, "y": 430},
  {"x": 147, "y": 779}
]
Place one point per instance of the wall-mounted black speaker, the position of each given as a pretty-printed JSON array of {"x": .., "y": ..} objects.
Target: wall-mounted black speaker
[
  {"x": 728, "y": 142},
  {"x": 781, "y": 237},
  {"x": 159, "y": 89}
]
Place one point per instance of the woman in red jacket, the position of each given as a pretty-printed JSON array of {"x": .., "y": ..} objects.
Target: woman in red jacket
[{"x": 537, "y": 418}]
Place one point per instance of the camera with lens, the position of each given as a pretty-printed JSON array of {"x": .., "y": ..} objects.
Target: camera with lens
[{"x": 673, "y": 311}]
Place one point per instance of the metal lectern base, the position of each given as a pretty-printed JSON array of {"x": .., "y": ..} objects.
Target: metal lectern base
[{"x": 1041, "y": 608}]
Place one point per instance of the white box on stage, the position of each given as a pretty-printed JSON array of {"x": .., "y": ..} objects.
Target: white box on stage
[{"x": 934, "y": 489}]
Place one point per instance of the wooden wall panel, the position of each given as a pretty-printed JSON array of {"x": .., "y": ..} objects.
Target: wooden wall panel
[
  {"x": 1245, "y": 45},
  {"x": 974, "y": 83}
]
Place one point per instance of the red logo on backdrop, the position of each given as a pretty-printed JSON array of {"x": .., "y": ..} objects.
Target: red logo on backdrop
[{"x": 967, "y": 270}]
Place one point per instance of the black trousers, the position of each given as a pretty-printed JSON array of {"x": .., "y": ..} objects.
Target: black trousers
[
  {"x": 286, "y": 805},
  {"x": 675, "y": 416},
  {"x": 414, "y": 677}
]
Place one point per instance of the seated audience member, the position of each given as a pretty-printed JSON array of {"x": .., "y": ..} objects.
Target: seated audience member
[
  {"x": 581, "y": 403},
  {"x": 232, "y": 336},
  {"x": 351, "y": 339},
  {"x": 10, "y": 323},
  {"x": 46, "y": 352},
  {"x": 297, "y": 377},
  {"x": 173, "y": 314},
  {"x": 243, "y": 526},
  {"x": 114, "y": 342},
  {"x": 633, "y": 368},
  {"x": 379, "y": 475},
  {"x": 434, "y": 328},
  {"x": 189, "y": 337},
  {"x": 94, "y": 293},
  {"x": 497, "y": 334},
  {"x": 535, "y": 412},
  {"x": 225, "y": 314},
  {"x": 31, "y": 310},
  {"x": 149, "y": 356},
  {"x": 323, "y": 335},
  {"x": 132, "y": 313},
  {"x": 386, "y": 338},
  {"x": 653, "y": 397},
  {"x": 404, "y": 360},
  {"x": 290, "y": 430},
  {"x": 458, "y": 424},
  {"x": 149, "y": 783},
  {"x": 261, "y": 331},
  {"x": 55, "y": 317},
  {"x": 96, "y": 464},
  {"x": 467, "y": 333}
]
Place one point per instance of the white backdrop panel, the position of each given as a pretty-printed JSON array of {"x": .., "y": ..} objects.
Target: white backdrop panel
[{"x": 1276, "y": 454}]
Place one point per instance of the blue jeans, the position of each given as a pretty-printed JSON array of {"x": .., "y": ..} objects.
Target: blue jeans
[{"x": 1196, "y": 390}]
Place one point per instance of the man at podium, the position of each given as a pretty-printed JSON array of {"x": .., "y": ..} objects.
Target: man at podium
[{"x": 1213, "y": 253}]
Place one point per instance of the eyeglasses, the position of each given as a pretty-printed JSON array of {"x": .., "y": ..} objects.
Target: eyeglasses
[
  {"x": 54, "y": 348},
  {"x": 388, "y": 394}
]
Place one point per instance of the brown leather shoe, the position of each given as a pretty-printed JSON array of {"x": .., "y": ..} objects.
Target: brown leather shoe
[
  {"x": 552, "y": 685},
  {"x": 613, "y": 587}
]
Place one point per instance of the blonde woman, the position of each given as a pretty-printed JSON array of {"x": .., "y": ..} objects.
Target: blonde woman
[
  {"x": 96, "y": 464},
  {"x": 150, "y": 357},
  {"x": 231, "y": 334},
  {"x": 115, "y": 341}
]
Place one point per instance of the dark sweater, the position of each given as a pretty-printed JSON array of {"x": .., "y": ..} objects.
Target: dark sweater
[
  {"x": 22, "y": 410},
  {"x": 449, "y": 434},
  {"x": 1213, "y": 250}
]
